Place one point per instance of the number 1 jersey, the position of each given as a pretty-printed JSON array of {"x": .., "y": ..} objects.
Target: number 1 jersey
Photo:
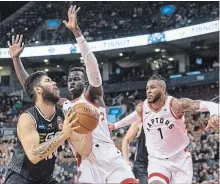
[{"x": 165, "y": 134}]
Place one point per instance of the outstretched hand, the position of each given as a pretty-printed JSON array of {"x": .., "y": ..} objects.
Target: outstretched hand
[
  {"x": 213, "y": 122},
  {"x": 72, "y": 18},
  {"x": 16, "y": 46}
]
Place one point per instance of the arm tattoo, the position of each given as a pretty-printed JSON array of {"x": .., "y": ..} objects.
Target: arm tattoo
[
  {"x": 189, "y": 105},
  {"x": 43, "y": 149},
  {"x": 182, "y": 105}
]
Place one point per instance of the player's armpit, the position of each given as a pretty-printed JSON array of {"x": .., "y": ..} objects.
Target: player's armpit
[{"x": 179, "y": 106}]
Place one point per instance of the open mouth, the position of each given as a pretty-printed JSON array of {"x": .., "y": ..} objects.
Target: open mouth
[{"x": 72, "y": 87}]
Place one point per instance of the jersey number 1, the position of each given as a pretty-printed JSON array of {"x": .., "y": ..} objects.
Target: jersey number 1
[{"x": 161, "y": 135}]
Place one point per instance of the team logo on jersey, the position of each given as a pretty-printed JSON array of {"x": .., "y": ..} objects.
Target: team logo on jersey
[
  {"x": 60, "y": 122},
  {"x": 42, "y": 127},
  {"x": 50, "y": 125},
  {"x": 147, "y": 112}
]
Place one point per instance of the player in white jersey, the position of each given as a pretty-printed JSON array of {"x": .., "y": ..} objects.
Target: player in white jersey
[
  {"x": 101, "y": 161},
  {"x": 166, "y": 133},
  {"x": 105, "y": 163}
]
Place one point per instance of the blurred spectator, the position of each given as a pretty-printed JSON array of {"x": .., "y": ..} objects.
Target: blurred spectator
[{"x": 105, "y": 20}]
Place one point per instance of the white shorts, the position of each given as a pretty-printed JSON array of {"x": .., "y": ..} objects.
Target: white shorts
[
  {"x": 104, "y": 165},
  {"x": 177, "y": 169}
]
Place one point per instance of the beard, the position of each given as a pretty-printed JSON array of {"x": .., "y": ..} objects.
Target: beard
[
  {"x": 50, "y": 97},
  {"x": 155, "y": 98},
  {"x": 76, "y": 91}
]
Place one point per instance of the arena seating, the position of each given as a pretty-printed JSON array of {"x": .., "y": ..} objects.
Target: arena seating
[
  {"x": 105, "y": 20},
  {"x": 206, "y": 168},
  {"x": 108, "y": 20}
]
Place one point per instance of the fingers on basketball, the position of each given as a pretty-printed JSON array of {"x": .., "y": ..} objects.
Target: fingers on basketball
[{"x": 88, "y": 117}]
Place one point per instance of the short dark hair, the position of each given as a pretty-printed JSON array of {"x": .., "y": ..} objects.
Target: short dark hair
[
  {"x": 79, "y": 69},
  {"x": 157, "y": 77},
  {"x": 31, "y": 82}
]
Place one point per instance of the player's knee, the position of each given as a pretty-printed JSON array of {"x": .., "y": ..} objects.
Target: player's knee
[
  {"x": 130, "y": 181},
  {"x": 156, "y": 182}
]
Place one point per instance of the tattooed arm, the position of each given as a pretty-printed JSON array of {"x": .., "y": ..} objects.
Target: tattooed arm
[
  {"x": 30, "y": 139},
  {"x": 179, "y": 106}
]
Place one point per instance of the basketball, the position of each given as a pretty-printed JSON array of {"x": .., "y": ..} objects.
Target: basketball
[{"x": 88, "y": 117}]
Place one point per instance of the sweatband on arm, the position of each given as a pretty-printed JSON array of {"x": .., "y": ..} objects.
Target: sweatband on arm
[
  {"x": 131, "y": 118},
  {"x": 92, "y": 68},
  {"x": 212, "y": 107}
]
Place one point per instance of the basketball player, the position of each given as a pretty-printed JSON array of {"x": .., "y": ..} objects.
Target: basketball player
[
  {"x": 102, "y": 163},
  {"x": 141, "y": 160},
  {"x": 39, "y": 134},
  {"x": 166, "y": 133}
]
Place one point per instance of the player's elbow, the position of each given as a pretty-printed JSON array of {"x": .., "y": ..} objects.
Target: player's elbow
[{"x": 33, "y": 159}]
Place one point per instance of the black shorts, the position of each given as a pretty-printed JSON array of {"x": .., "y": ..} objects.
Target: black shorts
[
  {"x": 140, "y": 172},
  {"x": 15, "y": 178}
]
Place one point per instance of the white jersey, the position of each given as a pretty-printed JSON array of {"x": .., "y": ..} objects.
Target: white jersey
[
  {"x": 165, "y": 134},
  {"x": 101, "y": 132}
]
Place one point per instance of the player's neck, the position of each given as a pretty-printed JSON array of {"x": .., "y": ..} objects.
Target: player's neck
[
  {"x": 46, "y": 109},
  {"x": 75, "y": 97},
  {"x": 158, "y": 104}
]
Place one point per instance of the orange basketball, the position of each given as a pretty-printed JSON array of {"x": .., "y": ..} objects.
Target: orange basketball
[{"x": 88, "y": 117}]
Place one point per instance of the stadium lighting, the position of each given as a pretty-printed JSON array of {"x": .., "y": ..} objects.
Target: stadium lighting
[
  {"x": 170, "y": 59},
  {"x": 58, "y": 66},
  {"x": 163, "y": 50},
  {"x": 81, "y": 58},
  {"x": 155, "y": 61},
  {"x": 46, "y": 60},
  {"x": 36, "y": 42},
  {"x": 163, "y": 56},
  {"x": 121, "y": 54},
  {"x": 46, "y": 70},
  {"x": 157, "y": 50},
  {"x": 1, "y": 67}
]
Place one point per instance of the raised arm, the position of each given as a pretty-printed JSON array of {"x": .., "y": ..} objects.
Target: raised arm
[
  {"x": 30, "y": 139},
  {"x": 92, "y": 68},
  {"x": 16, "y": 47}
]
